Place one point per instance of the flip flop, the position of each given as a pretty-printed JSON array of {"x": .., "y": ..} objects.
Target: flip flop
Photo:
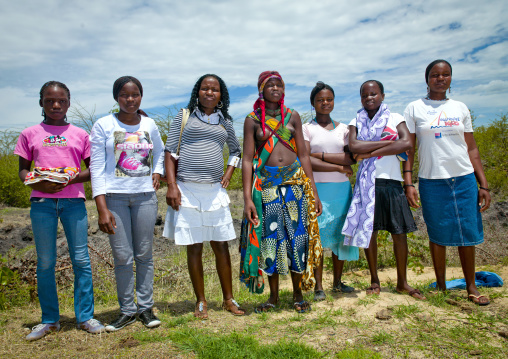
[
  {"x": 412, "y": 293},
  {"x": 303, "y": 305},
  {"x": 264, "y": 308},
  {"x": 476, "y": 299}
]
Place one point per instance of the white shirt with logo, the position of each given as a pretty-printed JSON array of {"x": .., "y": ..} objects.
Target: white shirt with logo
[{"x": 439, "y": 128}]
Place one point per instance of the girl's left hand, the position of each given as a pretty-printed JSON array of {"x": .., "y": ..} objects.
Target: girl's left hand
[
  {"x": 483, "y": 199},
  {"x": 156, "y": 181},
  {"x": 319, "y": 207},
  {"x": 225, "y": 182}
]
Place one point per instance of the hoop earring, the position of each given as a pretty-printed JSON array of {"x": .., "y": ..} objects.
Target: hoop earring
[
  {"x": 43, "y": 114},
  {"x": 450, "y": 89},
  {"x": 219, "y": 105},
  {"x": 197, "y": 102}
]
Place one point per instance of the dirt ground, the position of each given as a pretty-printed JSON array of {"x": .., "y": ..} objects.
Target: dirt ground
[{"x": 391, "y": 324}]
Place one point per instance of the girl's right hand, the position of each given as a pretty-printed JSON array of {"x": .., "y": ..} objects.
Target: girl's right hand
[
  {"x": 107, "y": 222},
  {"x": 412, "y": 196},
  {"x": 250, "y": 213},
  {"x": 173, "y": 196},
  {"x": 47, "y": 186}
]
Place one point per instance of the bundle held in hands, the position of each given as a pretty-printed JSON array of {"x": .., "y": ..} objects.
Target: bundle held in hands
[{"x": 58, "y": 175}]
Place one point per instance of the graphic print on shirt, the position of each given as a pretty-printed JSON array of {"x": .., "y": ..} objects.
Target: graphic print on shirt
[
  {"x": 133, "y": 153},
  {"x": 54, "y": 141},
  {"x": 446, "y": 124},
  {"x": 389, "y": 134}
]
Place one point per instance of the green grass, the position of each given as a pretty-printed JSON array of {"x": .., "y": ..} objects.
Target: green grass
[
  {"x": 403, "y": 311},
  {"x": 235, "y": 345},
  {"x": 358, "y": 354}
]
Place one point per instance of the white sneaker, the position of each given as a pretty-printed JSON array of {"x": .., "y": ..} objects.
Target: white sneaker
[
  {"x": 42, "y": 329},
  {"x": 92, "y": 326}
]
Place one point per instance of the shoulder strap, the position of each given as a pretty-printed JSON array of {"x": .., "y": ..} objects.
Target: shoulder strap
[{"x": 185, "y": 118}]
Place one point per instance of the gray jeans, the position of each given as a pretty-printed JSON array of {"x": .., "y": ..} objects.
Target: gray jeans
[{"x": 135, "y": 216}]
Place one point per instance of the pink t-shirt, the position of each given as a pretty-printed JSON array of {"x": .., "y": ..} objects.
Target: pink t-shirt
[
  {"x": 323, "y": 140},
  {"x": 55, "y": 146}
]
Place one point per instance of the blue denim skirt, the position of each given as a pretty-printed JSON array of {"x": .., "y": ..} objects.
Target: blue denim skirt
[{"x": 451, "y": 211}]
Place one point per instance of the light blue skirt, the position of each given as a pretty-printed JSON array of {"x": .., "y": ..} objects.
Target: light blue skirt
[{"x": 336, "y": 198}]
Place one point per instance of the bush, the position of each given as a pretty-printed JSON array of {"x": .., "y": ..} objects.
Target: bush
[{"x": 12, "y": 191}]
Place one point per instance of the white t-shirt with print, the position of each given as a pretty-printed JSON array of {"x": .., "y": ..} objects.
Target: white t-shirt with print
[
  {"x": 327, "y": 141},
  {"x": 439, "y": 128},
  {"x": 124, "y": 157},
  {"x": 388, "y": 167}
]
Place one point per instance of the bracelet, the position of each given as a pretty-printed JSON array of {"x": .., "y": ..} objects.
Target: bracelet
[
  {"x": 171, "y": 183},
  {"x": 407, "y": 171},
  {"x": 485, "y": 189},
  {"x": 322, "y": 156},
  {"x": 409, "y": 185}
]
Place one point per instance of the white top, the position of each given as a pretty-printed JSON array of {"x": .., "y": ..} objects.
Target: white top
[
  {"x": 440, "y": 127},
  {"x": 388, "y": 167},
  {"x": 327, "y": 141},
  {"x": 122, "y": 156}
]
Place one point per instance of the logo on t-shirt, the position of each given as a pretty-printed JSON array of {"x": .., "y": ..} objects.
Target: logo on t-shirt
[
  {"x": 438, "y": 135},
  {"x": 443, "y": 121},
  {"x": 59, "y": 141},
  {"x": 133, "y": 153}
]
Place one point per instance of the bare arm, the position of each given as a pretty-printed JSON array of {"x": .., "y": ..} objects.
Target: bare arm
[
  {"x": 411, "y": 193},
  {"x": 474, "y": 155},
  {"x": 249, "y": 147},
  {"x": 83, "y": 176},
  {"x": 304, "y": 157},
  {"x": 227, "y": 176},
  {"x": 358, "y": 146},
  {"x": 318, "y": 165},
  {"x": 395, "y": 147},
  {"x": 173, "y": 195}
]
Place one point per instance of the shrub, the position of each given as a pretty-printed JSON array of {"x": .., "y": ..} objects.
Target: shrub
[{"x": 12, "y": 191}]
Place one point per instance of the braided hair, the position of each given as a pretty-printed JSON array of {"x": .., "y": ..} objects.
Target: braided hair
[
  {"x": 381, "y": 87},
  {"x": 432, "y": 64},
  {"x": 122, "y": 81},
  {"x": 49, "y": 84},
  {"x": 224, "y": 96},
  {"x": 320, "y": 86}
]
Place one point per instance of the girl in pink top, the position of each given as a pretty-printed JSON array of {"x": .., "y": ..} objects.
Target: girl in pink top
[{"x": 56, "y": 143}]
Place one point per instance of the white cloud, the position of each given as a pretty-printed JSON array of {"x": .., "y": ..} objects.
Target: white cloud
[{"x": 169, "y": 44}]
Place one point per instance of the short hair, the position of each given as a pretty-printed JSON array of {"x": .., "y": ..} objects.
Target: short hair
[
  {"x": 53, "y": 83},
  {"x": 120, "y": 83},
  {"x": 432, "y": 64},
  {"x": 320, "y": 86},
  {"x": 381, "y": 87},
  {"x": 224, "y": 95}
]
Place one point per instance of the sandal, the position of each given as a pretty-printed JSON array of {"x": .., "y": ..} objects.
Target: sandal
[
  {"x": 319, "y": 295},
  {"x": 264, "y": 308},
  {"x": 302, "y": 307},
  {"x": 201, "y": 311},
  {"x": 415, "y": 293},
  {"x": 374, "y": 289},
  {"x": 233, "y": 307},
  {"x": 477, "y": 299}
]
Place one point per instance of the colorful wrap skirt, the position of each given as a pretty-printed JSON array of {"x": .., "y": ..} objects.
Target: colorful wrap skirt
[
  {"x": 451, "y": 211},
  {"x": 335, "y": 198}
]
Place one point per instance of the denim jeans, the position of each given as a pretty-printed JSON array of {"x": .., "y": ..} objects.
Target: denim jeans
[
  {"x": 44, "y": 214},
  {"x": 135, "y": 215}
]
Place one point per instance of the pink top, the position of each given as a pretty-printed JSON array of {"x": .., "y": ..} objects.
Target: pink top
[
  {"x": 55, "y": 146},
  {"x": 323, "y": 140}
]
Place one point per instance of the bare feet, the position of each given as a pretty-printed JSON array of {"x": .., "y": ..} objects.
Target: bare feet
[{"x": 374, "y": 289}]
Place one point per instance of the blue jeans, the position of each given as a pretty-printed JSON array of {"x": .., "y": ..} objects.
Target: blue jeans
[
  {"x": 135, "y": 215},
  {"x": 44, "y": 214}
]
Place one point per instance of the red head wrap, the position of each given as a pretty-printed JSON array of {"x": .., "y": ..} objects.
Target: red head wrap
[{"x": 260, "y": 102}]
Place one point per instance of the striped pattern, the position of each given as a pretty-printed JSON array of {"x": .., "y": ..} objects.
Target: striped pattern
[{"x": 201, "y": 148}]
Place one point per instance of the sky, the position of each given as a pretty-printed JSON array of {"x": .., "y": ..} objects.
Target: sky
[{"x": 168, "y": 45}]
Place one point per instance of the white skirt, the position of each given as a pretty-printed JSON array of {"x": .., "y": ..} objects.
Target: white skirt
[{"x": 204, "y": 215}]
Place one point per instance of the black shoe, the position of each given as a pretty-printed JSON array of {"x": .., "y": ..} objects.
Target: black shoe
[
  {"x": 149, "y": 319},
  {"x": 120, "y": 322}
]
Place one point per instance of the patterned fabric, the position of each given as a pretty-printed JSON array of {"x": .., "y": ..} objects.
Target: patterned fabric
[
  {"x": 251, "y": 239},
  {"x": 57, "y": 175},
  {"x": 360, "y": 217}
]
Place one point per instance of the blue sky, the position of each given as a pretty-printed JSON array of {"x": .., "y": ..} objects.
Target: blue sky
[{"x": 167, "y": 45}]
